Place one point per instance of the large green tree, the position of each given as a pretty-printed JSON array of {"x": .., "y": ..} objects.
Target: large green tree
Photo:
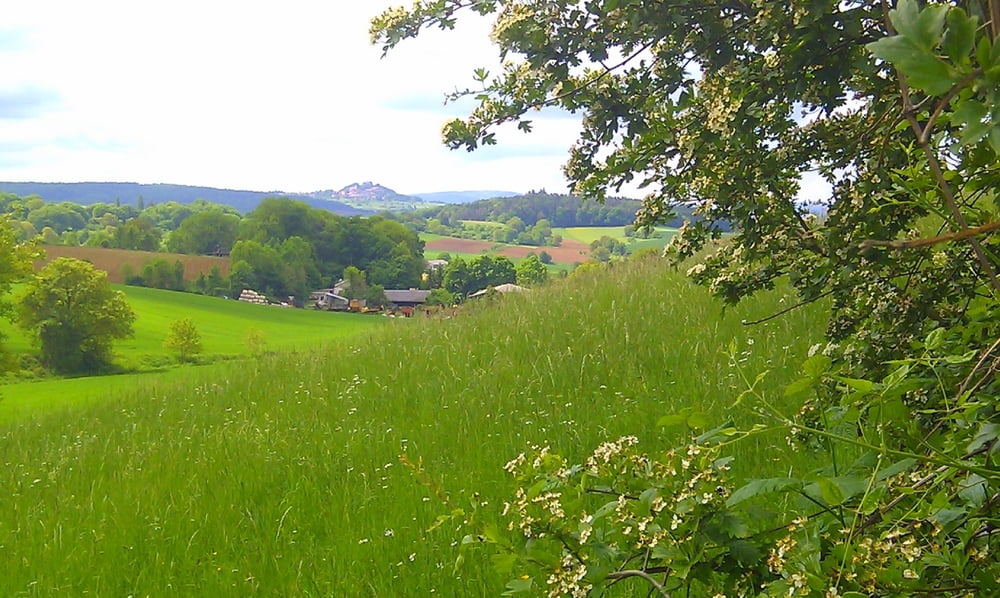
[
  {"x": 15, "y": 265},
  {"x": 75, "y": 315},
  {"x": 211, "y": 231},
  {"x": 736, "y": 107},
  {"x": 729, "y": 105}
]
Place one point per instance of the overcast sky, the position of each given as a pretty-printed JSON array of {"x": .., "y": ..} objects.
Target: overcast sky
[{"x": 266, "y": 96}]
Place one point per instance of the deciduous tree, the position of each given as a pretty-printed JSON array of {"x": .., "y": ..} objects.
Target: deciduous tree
[
  {"x": 183, "y": 339},
  {"x": 15, "y": 265},
  {"x": 531, "y": 271},
  {"x": 75, "y": 315}
]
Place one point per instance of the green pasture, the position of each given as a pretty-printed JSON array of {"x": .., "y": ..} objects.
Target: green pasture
[
  {"x": 282, "y": 476},
  {"x": 223, "y": 325},
  {"x": 589, "y": 234},
  {"x": 485, "y": 223}
]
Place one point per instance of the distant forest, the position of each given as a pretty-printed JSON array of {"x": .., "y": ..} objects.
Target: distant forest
[
  {"x": 147, "y": 194},
  {"x": 558, "y": 210},
  {"x": 282, "y": 247}
]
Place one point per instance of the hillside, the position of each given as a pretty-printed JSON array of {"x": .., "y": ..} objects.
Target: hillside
[
  {"x": 374, "y": 196},
  {"x": 283, "y": 476},
  {"x": 113, "y": 261},
  {"x": 559, "y": 210},
  {"x": 453, "y": 197},
  {"x": 222, "y": 323},
  {"x": 131, "y": 193}
]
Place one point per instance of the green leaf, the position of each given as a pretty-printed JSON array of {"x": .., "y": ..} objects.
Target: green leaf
[
  {"x": 800, "y": 386},
  {"x": 975, "y": 490},
  {"x": 745, "y": 553},
  {"x": 935, "y": 339},
  {"x": 922, "y": 69},
  {"x": 987, "y": 434},
  {"x": 862, "y": 386},
  {"x": 983, "y": 50},
  {"x": 816, "y": 366},
  {"x": 922, "y": 27},
  {"x": 504, "y": 562},
  {"x": 963, "y": 358},
  {"x": 733, "y": 525},
  {"x": 698, "y": 420},
  {"x": 895, "y": 468},
  {"x": 972, "y": 115},
  {"x": 944, "y": 517},
  {"x": 518, "y": 586},
  {"x": 904, "y": 17},
  {"x": 763, "y": 486},
  {"x": 960, "y": 37},
  {"x": 672, "y": 420},
  {"x": 830, "y": 491},
  {"x": 723, "y": 432}
]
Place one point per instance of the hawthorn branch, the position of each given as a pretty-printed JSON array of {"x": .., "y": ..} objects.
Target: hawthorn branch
[
  {"x": 928, "y": 241},
  {"x": 910, "y": 114}
]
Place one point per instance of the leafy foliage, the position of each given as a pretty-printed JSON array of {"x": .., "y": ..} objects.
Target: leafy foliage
[
  {"x": 76, "y": 316},
  {"x": 727, "y": 107},
  {"x": 463, "y": 278},
  {"x": 531, "y": 271},
  {"x": 15, "y": 265},
  {"x": 184, "y": 339}
]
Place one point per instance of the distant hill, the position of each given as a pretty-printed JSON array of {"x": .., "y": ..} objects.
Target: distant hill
[
  {"x": 371, "y": 197},
  {"x": 89, "y": 193},
  {"x": 458, "y": 197},
  {"x": 559, "y": 209}
]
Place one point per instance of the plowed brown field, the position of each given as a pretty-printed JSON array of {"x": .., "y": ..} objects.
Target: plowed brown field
[
  {"x": 112, "y": 260},
  {"x": 570, "y": 252}
]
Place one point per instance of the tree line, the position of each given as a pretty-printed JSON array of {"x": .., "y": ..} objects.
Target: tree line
[{"x": 282, "y": 248}]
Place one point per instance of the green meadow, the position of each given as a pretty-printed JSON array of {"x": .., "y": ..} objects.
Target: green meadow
[
  {"x": 223, "y": 325},
  {"x": 282, "y": 475},
  {"x": 589, "y": 234}
]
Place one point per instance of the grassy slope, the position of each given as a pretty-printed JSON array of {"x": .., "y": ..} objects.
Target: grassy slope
[
  {"x": 223, "y": 325},
  {"x": 281, "y": 477},
  {"x": 589, "y": 234}
]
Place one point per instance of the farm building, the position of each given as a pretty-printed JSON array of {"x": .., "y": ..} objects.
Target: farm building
[
  {"x": 500, "y": 288},
  {"x": 328, "y": 299},
  {"x": 407, "y": 298}
]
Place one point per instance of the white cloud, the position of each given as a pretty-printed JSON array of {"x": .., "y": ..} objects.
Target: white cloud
[{"x": 251, "y": 95}]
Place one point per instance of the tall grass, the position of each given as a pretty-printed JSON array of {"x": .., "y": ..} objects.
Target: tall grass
[{"x": 282, "y": 477}]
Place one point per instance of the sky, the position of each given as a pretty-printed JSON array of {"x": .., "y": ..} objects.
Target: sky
[{"x": 265, "y": 96}]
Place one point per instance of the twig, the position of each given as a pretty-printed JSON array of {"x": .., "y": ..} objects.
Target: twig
[
  {"x": 927, "y": 241},
  {"x": 619, "y": 575},
  {"x": 787, "y": 309}
]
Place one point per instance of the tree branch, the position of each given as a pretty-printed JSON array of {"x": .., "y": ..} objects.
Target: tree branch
[
  {"x": 619, "y": 575},
  {"x": 928, "y": 241},
  {"x": 909, "y": 112}
]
